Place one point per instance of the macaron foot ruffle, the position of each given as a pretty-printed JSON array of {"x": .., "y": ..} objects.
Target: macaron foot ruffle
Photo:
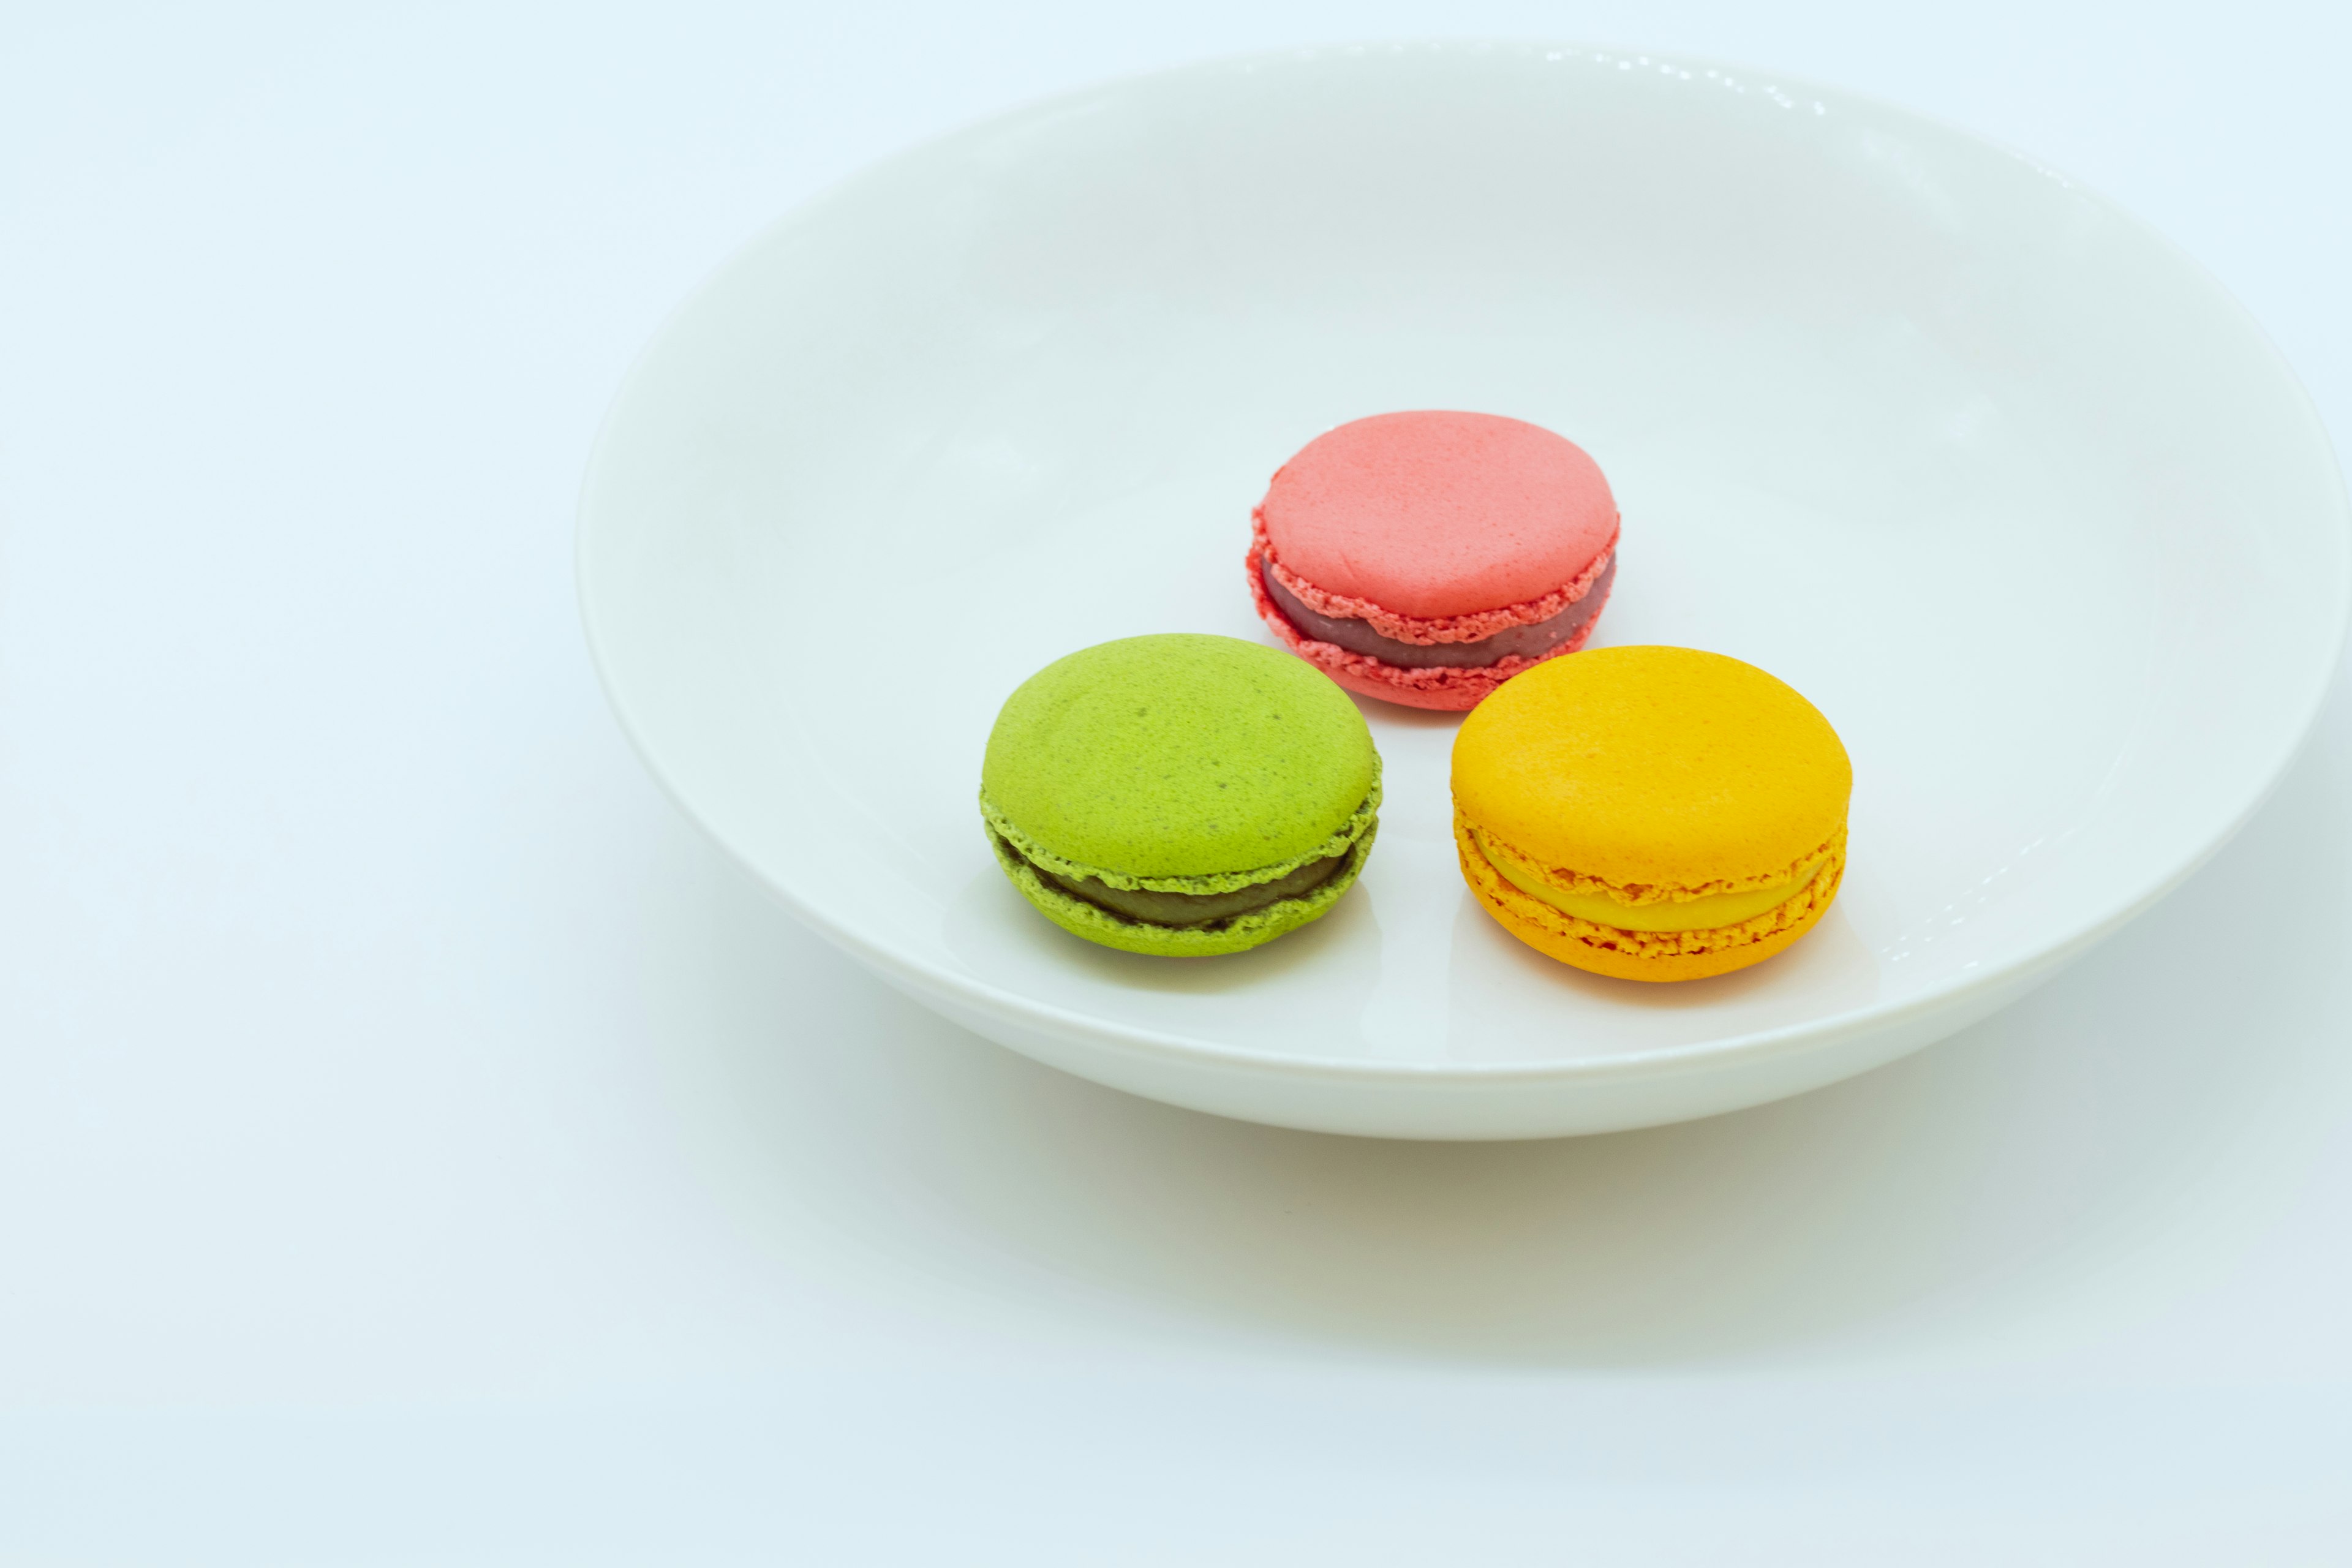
[
  {"x": 1647, "y": 955},
  {"x": 1100, "y": 926},
  {"x": 1455, "y": 688}
]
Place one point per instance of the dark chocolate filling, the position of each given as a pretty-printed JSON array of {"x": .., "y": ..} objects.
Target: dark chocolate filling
[
  {"x": 1358, "y": 637},
  {"x": 1149, "y": 907}
]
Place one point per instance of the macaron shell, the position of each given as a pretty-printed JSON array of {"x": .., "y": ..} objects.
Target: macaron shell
[
  {"x": 1433, "y": 513},
  {"x": 1657, "y": 770},
  {"x": 1182, "y": 762},
  {"x": 1646, "y": 955},
  {"x": 1104, "y": 928}
]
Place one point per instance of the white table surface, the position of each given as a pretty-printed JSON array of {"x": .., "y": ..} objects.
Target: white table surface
[{"x": 417, "y": 1145}]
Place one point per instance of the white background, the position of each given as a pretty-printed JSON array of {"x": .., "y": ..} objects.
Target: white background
[{"x": 415, "y": 1145}]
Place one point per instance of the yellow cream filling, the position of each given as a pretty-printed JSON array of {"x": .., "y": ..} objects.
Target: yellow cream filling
[{"x": 1717, "y": 909}]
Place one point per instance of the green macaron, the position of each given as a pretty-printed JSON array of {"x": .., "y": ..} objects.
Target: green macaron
[{"x": 1180, "y": 794}]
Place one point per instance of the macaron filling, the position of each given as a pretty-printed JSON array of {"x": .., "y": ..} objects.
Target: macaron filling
[
  {"x": 1359, "y": 636},
  {"x": 1152, "y": 906},
  {"x": 1712, "y": 911}
]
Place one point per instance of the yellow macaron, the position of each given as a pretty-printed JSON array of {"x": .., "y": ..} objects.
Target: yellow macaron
[{"x": 1651, "y": 813}]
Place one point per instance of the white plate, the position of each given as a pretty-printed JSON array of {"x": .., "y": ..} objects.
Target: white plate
[{"x": 2011, "y": 489}]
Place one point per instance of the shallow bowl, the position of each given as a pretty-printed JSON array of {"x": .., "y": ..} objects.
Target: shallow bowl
[{"x": 2011, "y": 489}]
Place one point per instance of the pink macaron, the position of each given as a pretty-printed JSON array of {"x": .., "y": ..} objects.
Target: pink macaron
[{"x": 1426, "y": 558}]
